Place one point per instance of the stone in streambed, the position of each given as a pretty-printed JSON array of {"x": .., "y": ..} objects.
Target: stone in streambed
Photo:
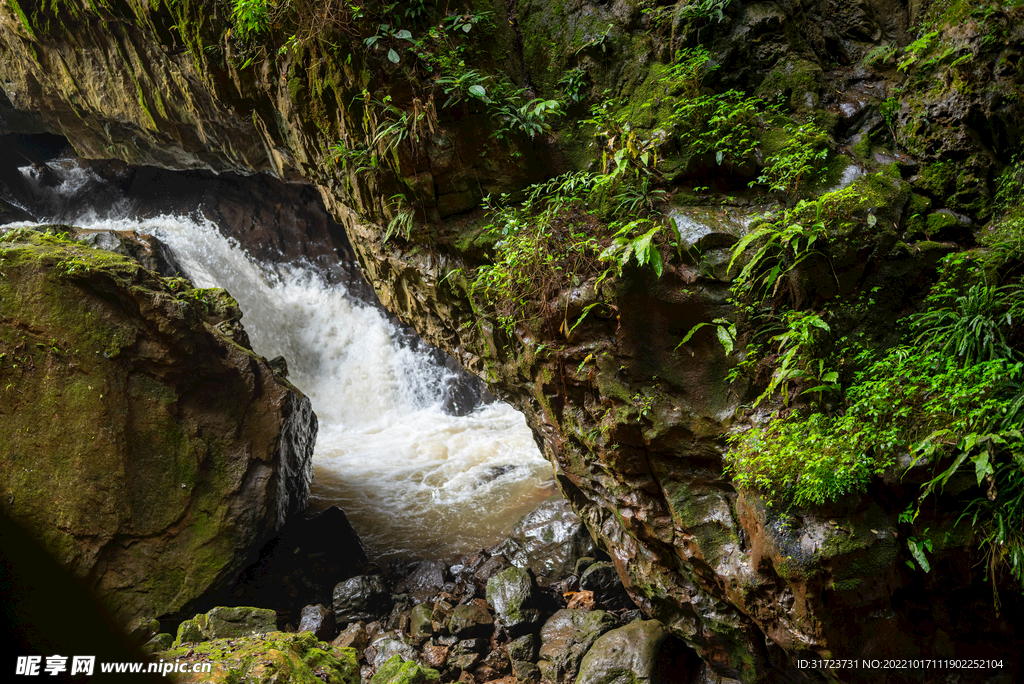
[
  {"x": 565, "y": 639},
  {"x": 603, "y": 580},
  {"x": 467, "y": 653},
  {"x": 510, "y": 593},
  {"x": 642, "y": 652},
  {"x": 420, "y": 626},
  {"x": 361, "y": 598},
  {"x": 435, "y": 655},
  {"x": 549, "y": 540},
  {"x": 274, "y": 658},
  {"x": 160, "y": 642},
  {"x": 522, "y": 655},
  {"x": 424, "y": 582},
  {"x": 319, "y": 620},
  {"x": 472, "y": 620},
  {"x": 353, "y": 636}
]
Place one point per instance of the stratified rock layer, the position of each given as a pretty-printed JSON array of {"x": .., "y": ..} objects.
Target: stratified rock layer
[{"x": 147, "y": 447}]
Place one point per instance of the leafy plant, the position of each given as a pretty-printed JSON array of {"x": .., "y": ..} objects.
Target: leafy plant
[
  {"x": 251, "y": 18},
  {"x": 725, "y": 331},
  {"x": 572, "y": 84},
  {"x": 642, "y": 248},
  {"x": 917, "y": 549},
  {"x": 913, "y": 52},
  {"x": 402, "y": 220},
  {"x": 971, "y": 325},
  {"x": 801, "y": 157},
  {"x": 797, "y": 363},
  {"x": 704, "y": 9},
  {"x": 779, "y": 246},
  {"x": 385, "y": 32}
]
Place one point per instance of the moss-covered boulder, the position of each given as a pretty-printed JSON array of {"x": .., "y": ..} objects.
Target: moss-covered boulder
[
  {"x": 565, "y": 639},
  {"x": 226, "y": 622},
  {"x": 510, "y": 593},
  {"x": 146, "y": 449},
  {"x": 275, "y": 658},
  {"x": 399, "y": 671}
]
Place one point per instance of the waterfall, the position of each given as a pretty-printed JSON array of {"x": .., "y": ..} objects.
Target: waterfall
[{"x": 414, "y": 480}]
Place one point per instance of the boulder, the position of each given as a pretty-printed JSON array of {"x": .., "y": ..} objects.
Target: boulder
[
  {"x": 549, "y": 540},
  {"x": 466, "y": 653},
  {"x": 420, "y": 625},
  {"x": 565, "y": 639},
  {"x": 522, "y": 656},
  {"x": 603, "y": 580},
  {"x": 424, "y": 582},
  {"x": 472, "y": 620},
  {"x": 642, "y": 652},
  {"x": 389, "y": 645},
  {"x": 224, "y": 623},
  {"x": 399, "y": 671},
  {"x": 361, "y": 598},
  {"x": 353, "y": 636},
  {"x": 149, "y": 452},
  {"x": 319, "y": 620},
  {"x": 510, "y": 593}
]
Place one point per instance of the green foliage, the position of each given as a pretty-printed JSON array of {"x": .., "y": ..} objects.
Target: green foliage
[
  {"x": 895, "y": 406},
  {"x": 802, "y": 156},
  {"x": 725, "y": 331},
  {"x": 917, "y": 549},
  {"x": 386, "y": 31},
  {"x": 251, "y": 18},
  {"x": 697, "y": 11},
  {"x": 913, "y": 52},
  {"x": 971, "y": 324},
  {"x": 798, "y": 363},
  {"x": 402, "y": 220},
  {"x": 533, "y": 118},
  {"x": 642, "y": 249},
  {"x": 954, "y": 401},
  {"x": 724, "y": 124},
  {"x": 703, "y": 9},
  {"x": 777, "y": 244},
  {"x": 554, "y": 239},
  {"x": 572, "y": 84},
  {"x": 890, "y": 109}
]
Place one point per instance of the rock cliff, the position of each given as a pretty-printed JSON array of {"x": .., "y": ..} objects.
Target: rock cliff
[{"x": 405, "y": 117}]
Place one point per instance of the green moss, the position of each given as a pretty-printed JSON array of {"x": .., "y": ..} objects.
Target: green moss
[
  {"x": 277, "y": 657},
  {"x": 20, "y": 13},
  {"x": 794, "y": 83},
  {"x": 397, "y": 671}
]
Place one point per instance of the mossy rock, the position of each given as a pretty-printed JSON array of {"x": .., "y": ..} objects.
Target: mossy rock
[
  {"x": 274, "y": 658},
  {"x": 127, "y": 414},
  {"x": 226, "y": 622},
  {"x": 398, "y": 671}
]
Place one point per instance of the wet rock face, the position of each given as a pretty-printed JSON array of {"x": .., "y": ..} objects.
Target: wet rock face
[
  {"x": 361, "y": 598},
  {"x": 156, "y": 426},
  {"x": 510, "y": 592},
  {"x": 549, "y": 540},
  {"x": 565, "y": 639},
  {"x": 639, "y": 653}
]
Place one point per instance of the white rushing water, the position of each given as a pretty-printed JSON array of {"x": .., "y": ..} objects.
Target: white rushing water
[{"x": 413, "y": 480}]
